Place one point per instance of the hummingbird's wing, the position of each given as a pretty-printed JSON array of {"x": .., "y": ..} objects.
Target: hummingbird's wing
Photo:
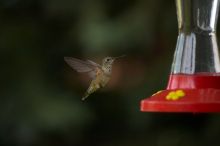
[
  {"x": 93, "y": 63},
  {"x": 88, "y": 66},
  {"x": 93, "y": 73}
]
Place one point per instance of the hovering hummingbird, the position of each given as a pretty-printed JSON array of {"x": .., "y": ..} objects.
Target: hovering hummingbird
[{"x": 100, "y": 74}]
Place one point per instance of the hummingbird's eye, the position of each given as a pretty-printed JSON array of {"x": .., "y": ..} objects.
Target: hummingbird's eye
[{"x": 108, "y": 59}]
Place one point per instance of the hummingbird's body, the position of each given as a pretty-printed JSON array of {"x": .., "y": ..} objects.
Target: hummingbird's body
[
  {"x": 100, "y": 81},
  {"x": 100, "y": 74}
]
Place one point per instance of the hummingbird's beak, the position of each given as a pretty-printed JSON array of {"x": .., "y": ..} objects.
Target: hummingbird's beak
[{"x": 119, "y": 57}]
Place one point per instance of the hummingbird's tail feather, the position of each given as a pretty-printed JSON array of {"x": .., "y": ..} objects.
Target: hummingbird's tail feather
[
  {"x": 92, "y": 88},
  {"x": 85, "y": 96}
]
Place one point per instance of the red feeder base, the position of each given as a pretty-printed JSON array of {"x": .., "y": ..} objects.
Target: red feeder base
[
  {"x": 186, "y": 93},
  {"x": 201, "y": 100}
]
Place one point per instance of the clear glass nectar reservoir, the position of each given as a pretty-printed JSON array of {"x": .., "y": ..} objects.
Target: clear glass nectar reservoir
[{"x": 196, "y": 49}]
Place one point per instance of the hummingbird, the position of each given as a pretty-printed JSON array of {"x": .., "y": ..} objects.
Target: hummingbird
[{"x": 100, "y": 74}]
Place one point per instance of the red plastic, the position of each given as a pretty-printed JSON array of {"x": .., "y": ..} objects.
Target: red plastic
[
  {"x": 197, "y": 81},
  {"x": 202, "y": 94}
]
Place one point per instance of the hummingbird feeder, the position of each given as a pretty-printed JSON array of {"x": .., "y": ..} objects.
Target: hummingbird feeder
[{"x": 194, "y": 82}]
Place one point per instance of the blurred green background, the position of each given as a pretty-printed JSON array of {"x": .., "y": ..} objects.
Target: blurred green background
[{"x": 41, "y": 95}]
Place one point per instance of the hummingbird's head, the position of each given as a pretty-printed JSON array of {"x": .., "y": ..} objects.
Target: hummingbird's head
[{"x": 108, "y": 60}]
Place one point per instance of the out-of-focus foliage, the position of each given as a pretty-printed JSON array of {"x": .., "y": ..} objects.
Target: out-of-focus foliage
[{"x": 40, "y": 94}]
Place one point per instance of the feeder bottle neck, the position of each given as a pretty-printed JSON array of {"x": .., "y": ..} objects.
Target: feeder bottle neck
[{"x": 196, "y": 49}]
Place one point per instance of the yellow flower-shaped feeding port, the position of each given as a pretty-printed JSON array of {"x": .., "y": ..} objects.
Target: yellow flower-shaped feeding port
[{"x": 175, "y": 95}]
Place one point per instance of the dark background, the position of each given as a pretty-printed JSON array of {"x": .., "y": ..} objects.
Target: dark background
[{"x": 41, "y": 95}]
